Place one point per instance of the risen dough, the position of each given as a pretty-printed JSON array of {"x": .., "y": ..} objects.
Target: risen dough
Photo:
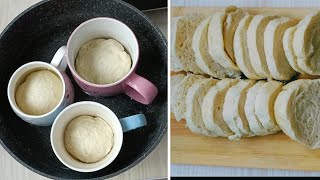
[
  {"x": 40, "y": 93},
  {"x": 102, "y": 61},
  {"x": 88, "y": 139}
]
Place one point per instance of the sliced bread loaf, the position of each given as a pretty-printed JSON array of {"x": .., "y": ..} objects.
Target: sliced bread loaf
[
  {"x": 175, "y": 64},
  {"x": 178, "y": 101},
  {"x": 288, "y": 49},
  {"x": 264, "y": 105},
  {"x": 299, "y": 118},
  {"x": 241, "y": 49},
  {"x": 203, "y": 58},
  {"x": 233, "y": 108},
  {"x": 277, "y": 62},
  {"x": 194, "y": 100},
  {"x": 254, "y": 123},
  {"x": 174, "y": 81},
  {"x": 212, "y": 107},
  {"x": 255, "y": 37},
  {"x": 186, "y": 27}
]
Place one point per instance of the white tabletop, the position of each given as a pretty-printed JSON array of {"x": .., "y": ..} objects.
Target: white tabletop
[
  {"x": 154, "y": 166},
  {"x": 192, "y": 170}
]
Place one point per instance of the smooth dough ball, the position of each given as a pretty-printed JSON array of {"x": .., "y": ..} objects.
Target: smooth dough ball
[
  {"x": 88, "y": 139},
  {"x": 102, "y": 61},
  {"x": 40, "y": 93}
]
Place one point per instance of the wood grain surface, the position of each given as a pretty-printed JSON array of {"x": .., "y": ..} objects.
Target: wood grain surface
[
  {"x": 154, "y": 166},
  {"x": 290, "y": 12},
  {"x": 276, "y": 151}
]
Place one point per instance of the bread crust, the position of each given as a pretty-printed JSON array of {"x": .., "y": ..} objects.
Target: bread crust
[
  {"x": 212, "y": 107},
  {"x": 194, "y": 100},
  {"x": 241, "y": 51},
  {"x": 276, "y": 59},
  {"x": 233, "y": 108},
  {"x": 255, "y": 41},
  {"x": 216, "y": 42}
]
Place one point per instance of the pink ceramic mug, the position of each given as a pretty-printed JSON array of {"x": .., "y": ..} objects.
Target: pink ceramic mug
[{"x": 135, "y": 86}]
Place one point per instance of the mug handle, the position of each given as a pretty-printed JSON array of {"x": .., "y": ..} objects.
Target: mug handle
[
  {"x": 140, "y": 89},
  {"x": 59, "y": 61},
  {"x": 133, "y": 122}
]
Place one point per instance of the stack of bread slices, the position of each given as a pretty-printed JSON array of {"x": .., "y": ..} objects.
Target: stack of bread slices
[{"x": 237, "y": 70}]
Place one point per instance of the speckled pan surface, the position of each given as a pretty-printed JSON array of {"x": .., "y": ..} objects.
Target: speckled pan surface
[{"x": 35, "y": 35}]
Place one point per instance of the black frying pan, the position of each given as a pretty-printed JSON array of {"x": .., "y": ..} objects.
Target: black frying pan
[
  {"x": 35, "y": 35},
  {"x": 148, "y": 4}
]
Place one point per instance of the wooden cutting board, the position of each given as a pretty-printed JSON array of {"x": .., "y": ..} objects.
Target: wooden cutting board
[{"x": 276, "y": 151}]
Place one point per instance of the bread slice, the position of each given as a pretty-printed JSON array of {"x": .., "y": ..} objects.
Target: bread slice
[
  {"x": 277, "y": 62},
  {"x": 299, "y": 118},
  {"x": 194, "y": 100},
  {"x": 230, "y": 26},
  {"x": 175, "y": 64},
  {"x": 174, "y": 81},
  {"x": 306, "y": 43},
  {"x": 216, "y": 43},
  {"x": 311, "y": 65},
  {"x": 233, "y": 108},
  {"x": 255, "y": 37},
  {"x": 288, "y": 49},
  {"x": 241, "y": 49},
  {"x": 284, "y": 106},
  {"x": 186, "y": 27},
  {"x": 254, "y": 123},
  {"x": 203, "y": 58},
  {"x": 178, "y": 101},
  {"x": 212, "y": 107},
  {"x": 264, "y": 105}
]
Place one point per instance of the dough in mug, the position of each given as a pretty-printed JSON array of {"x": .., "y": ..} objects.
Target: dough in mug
[
  {"x": 88, "y": 139},
  {"x": 102, "y": 61},
  {"x": 40, "y": 93}
]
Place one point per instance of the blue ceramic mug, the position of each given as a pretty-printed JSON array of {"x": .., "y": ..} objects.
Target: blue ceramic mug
[{"x": 119, "y": 126}]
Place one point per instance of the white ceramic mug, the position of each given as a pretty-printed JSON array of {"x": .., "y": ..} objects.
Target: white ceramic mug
[
  {"x": 58, "y": 67},
  {"x": 119, "y": 126}
]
